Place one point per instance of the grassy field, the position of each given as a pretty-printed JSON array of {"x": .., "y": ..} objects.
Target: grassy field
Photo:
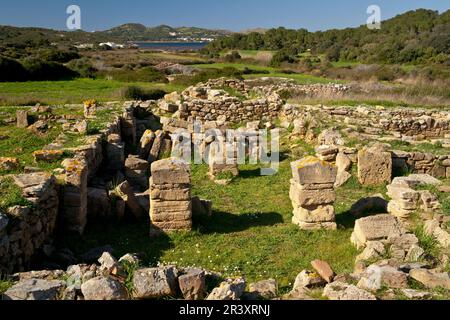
[
  {"x": 74, "y": 91},
  {"x": 250, "y": 233},
  {"x": 267, "y": 72}
]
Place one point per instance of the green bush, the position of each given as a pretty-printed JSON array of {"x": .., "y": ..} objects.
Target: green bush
[
  {"x": 47, "y": 71},
  {"x": 83, "y": 67},
  {"x": 128, "y": 74},
  {"x": 204, "y": 76},
  {"x": 137, "y": 93},
  {"x": 11, "y": 70}
]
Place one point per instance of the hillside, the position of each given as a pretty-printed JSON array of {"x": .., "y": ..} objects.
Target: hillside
[
  {"x": 421, "y": 36},
  {"x": 128, "y": 32}
]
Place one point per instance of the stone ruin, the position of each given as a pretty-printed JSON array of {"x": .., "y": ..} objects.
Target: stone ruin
[
  {"x": 31, "y": 226},
  {"x": 170, "y": 196},
  {"x": 312, "y": 194}
]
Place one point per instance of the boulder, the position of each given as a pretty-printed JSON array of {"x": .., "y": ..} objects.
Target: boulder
[
  {"x": 374, "y": 228},
  {"x": 265, "y": 289},
  {"x": 126, "y": 193},
  {"x": 192, "y": 284},
  {"x": 308, "y": 279},
  {"x": 345, "y": 291},
  {"x": 231, "y": 289},
  {"x": 9, "y": 164},
  {"x": 324, "y": 270},
  {"x": 375, "y": 277},
  {"x": 104, "y": 288},
  {"x": 22, "y": 118},
  {"x": 310, "y": 171},
  {"x": 35, "y": 289},
  {"x": 374, "y": 166},
  {"x": 431, "y": 279},
  {"x": 154, "y": 283}
]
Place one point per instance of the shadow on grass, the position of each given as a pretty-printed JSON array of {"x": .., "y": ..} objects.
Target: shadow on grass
[{"x": 223, "y": 222}]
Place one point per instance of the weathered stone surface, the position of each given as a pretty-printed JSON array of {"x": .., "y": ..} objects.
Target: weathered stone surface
[
  {"x": 170, "y": 199},
  {"x": 153, "y": 283},
  {"x": 47, "y": 155},
  {"x": 265, "y": 289},
  {"x": 167, "y": 171},
  {"x": 311, "y": 170},
  {"x": 35, "y": 289},
  {"x": 308, "y": 279},
  {"x": 344, "y": 291},
  {"x": 104, "y": 288},
  {"x": 343, "y": 162},
  {"x": 192, "y": 284},
  {"x": 374, "y": 166},
  {"x": 375, "y": 277},
  {"x": 373, "y": 250},
  {"x": 324, "y": 270},
  {"x": 314, "y": 214},
  {"x": 22, "y": 118},
  {"x": 416, "y": 295},
  {"x": 9, "y": 164},
  {"x": 303, "y": 197},
  {"x": 433, "y": 228},
  {"x": 342, "y": 178},
  {"x": 374, "y": 228},
  {"x": 99, "y": 203},
  {"x": 231, "y": 289},
  {"x": 126, "y": 193},
  {"x": 431, "y": 279}
]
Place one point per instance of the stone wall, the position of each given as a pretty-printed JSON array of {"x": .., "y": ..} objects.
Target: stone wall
[
  {"x": 437, "y": 166},
  {"x": 25, "y": 229},
  {"x": 227, "y": 108},
  {"x": 408, "y": 123}
]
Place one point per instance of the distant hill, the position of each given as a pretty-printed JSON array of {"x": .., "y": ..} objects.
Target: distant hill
[
  {"x": 127, "y": 32},
  {"x": 420, "y": 36}
]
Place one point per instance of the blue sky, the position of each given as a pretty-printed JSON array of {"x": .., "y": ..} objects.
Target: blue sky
[{"x": 233, "y": 15}]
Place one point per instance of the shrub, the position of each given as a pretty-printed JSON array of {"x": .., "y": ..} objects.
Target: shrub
[
  {"x": 204, "y": 76},
  {"x": 128, "y": 74},
  {"x": 42, "y": 70},
  {"x": 83, "y": 67},
  {"x": 11, "y": 70},
  {"x": 233, "y": 56},
  {"x": 137, "y": 93}
]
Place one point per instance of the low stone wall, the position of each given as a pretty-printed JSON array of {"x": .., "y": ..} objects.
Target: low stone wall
[
  {"x": 25, "y": 229},
  {"x": 231, "y": 109},
  {"x": 401, "y": 122},
  {"x": 418, "y": 162}
]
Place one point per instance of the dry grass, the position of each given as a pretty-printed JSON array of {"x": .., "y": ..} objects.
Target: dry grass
[{"x": 419, "y": 94}]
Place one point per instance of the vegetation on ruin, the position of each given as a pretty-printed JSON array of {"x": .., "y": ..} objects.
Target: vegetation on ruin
[{"x": 10, "y": 194}]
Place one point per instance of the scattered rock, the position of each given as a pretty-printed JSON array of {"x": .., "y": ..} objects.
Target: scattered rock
[
  {"x": 344, "y": 291},
  {"x": 231, "y": 289},
  {"x": 35, "y": 289},
  {"x": 431, "y": 279},
  {"x": 104, "y": 288},
  {"x": 266, "y": 289},
  {"x": 154, "y": 283},
  {"x": 192, "y": 284},
  {"x": 323, "y": 269}
]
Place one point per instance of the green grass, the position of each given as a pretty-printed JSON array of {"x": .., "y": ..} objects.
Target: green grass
[
  {"x": 249, "y": 234},
  {"x": 11, "y": 194},
  {"x": 5, "y": 285},
  {"x": 21, "y": 143},
  {"x": 273, "y": 72},
  {"x": 427, "y": 147},
  {"x": 66, "y": 92}
]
